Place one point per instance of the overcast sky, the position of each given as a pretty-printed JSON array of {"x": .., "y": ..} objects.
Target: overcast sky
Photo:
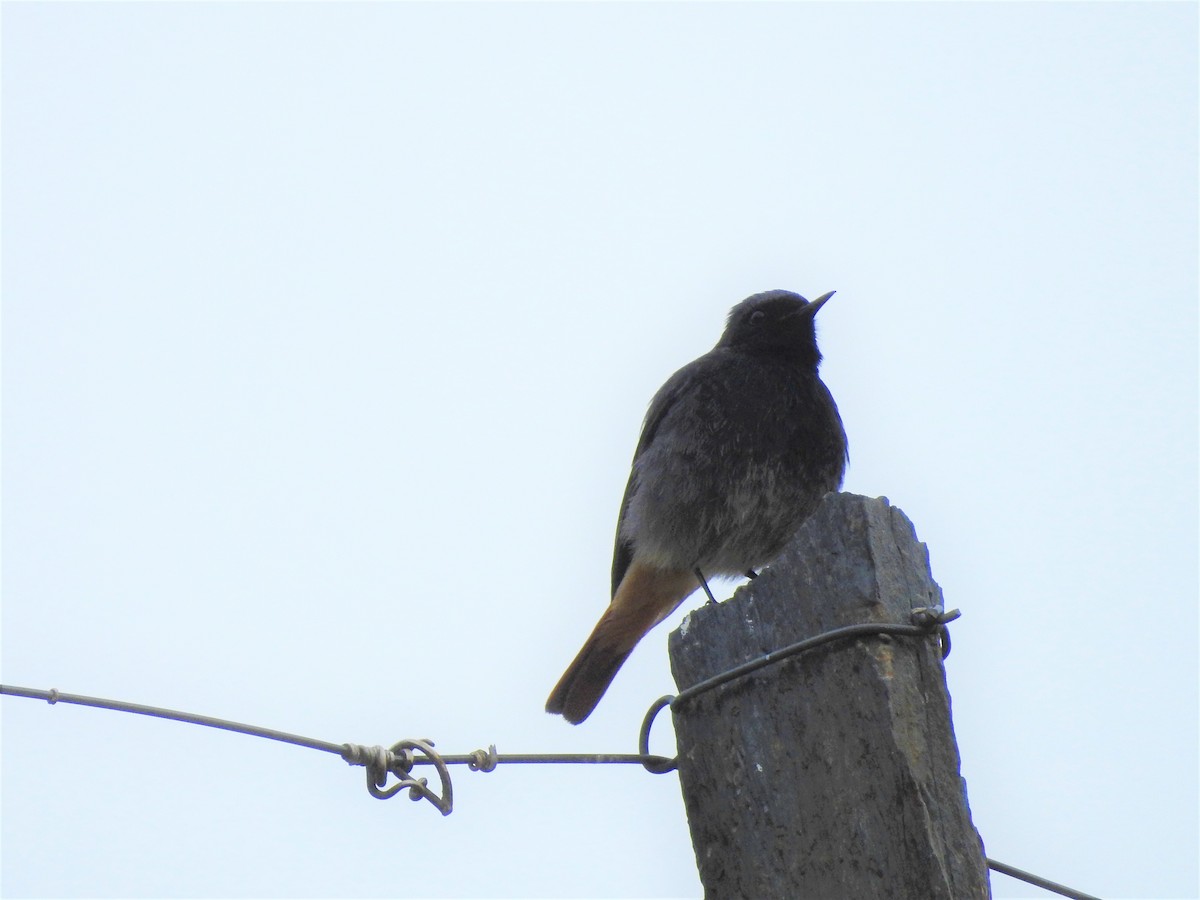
[{"x": 327, "y": 335}]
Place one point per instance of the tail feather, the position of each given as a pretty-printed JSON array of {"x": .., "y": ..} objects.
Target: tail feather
[
  {"x": 588, "y": 676},
  {"x": 645, "y": 597}
]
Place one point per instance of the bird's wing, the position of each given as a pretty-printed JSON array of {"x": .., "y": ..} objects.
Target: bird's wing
[
  {"x": 623, "y": 550},
  {"x": 682, "y": 382}
]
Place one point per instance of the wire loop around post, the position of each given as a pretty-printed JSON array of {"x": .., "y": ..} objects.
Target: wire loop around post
[{"x": 926, "y": 620}]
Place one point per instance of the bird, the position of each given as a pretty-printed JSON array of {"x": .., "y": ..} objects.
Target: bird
[{"x": 737, "y": 449}]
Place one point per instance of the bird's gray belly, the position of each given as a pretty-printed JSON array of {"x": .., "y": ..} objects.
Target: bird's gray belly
[{"x": 723, "y": 515}]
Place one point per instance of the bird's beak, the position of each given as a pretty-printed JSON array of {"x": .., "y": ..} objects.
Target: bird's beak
[{"x": 811, "y": 309}]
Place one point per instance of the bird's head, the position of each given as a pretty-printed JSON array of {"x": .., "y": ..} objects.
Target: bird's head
[{"x": 777, "y": 322}]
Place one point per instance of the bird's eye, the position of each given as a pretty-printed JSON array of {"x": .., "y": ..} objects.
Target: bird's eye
[{"x": 757, "y": 316}]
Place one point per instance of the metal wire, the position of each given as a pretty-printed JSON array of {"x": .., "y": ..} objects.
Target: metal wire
[
  {"x": 1038, "y": 881},
  {"x": 667, "y": 765},
  {"x": 927, "y": 620},
  {"x": 53, "y": 696},
  {"x": 403, "y": 755},
  {"x": 380, "y": 762},
  {"x": 512, "y": 759}
]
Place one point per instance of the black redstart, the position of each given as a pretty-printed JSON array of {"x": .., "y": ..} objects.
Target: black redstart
[{"x": 737, "y": 450}]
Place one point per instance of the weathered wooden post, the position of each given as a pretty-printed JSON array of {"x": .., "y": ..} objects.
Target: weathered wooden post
[{"x": 834, "y": 773}]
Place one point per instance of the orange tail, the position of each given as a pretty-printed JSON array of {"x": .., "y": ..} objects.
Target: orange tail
[{"x": 646, "y": 597}]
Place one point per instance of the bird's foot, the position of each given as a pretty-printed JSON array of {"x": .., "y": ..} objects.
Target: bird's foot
[{"x": 704, "y": 584}]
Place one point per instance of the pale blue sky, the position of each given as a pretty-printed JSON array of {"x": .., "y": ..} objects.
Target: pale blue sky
[{"x": 328, "y": 331}]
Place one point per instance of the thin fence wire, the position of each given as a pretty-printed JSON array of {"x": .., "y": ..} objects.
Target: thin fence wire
[
  {"x": 1038, "y": 881},
  {"x": 401, "y": 757}
]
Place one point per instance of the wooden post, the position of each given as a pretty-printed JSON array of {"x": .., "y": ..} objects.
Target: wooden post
[{"x": 833, "y": 774}]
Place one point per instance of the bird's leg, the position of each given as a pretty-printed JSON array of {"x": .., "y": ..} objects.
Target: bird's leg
[
  {"x": 750, "y": 573},
  {"x": 704, "y": 584}
]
